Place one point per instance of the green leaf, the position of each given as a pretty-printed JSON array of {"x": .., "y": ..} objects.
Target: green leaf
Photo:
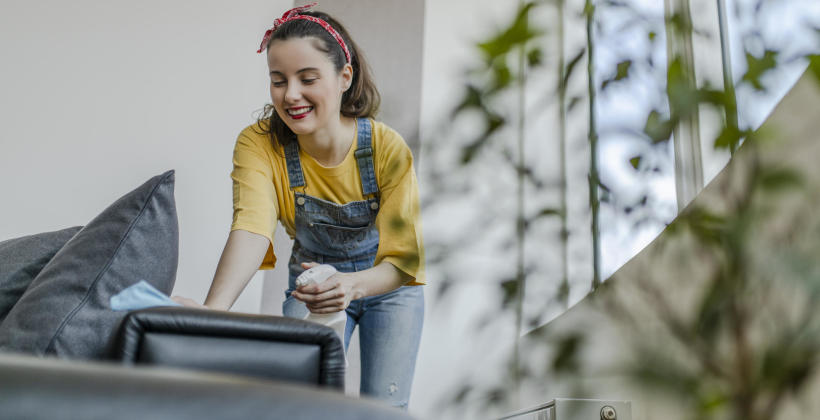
[
  {"x": 571, "y": 66},
  {"x": 605, "y": 197},
  {"x": 789, "y": 361},
  {"x": 713, "y": 400},
  {"x": 680, "y": 24},
  {"x": 814, "y": 65},
  {"x": 684, "y": 98},
  {"x": 573, "y": 102},
  {"x": 493, "y": 123},
  {"x": 730, "y": 137},
  {"x": 658, "y": 128},
  {"x": 567, "y": 350},
  {"x": 517, "y": 34},
  {"x": 658, "y": 370},
  {"x": 589, "y": 9},
  {"x": 713, "y": 306},
  {"x": 623, "y": 69},
  {"x": 652, "y": 35},
  {"x": 714, "y": 97},
  {"x": 756, "y": 67},
  {"x": 462, "y": 393},
  {"x": 547, "y": 212},
  {"x": 621, "y": 73},
  {"x": 470, "y": 151},
  {"x": 779, "y": 179},
  {"x": 473, "y": 98},
  {"x": 635, "y": 161},
  {"x": 707, "y": 226},
  {"x": 509, "y": 289},
  {"x": 535, "y": 57},
  {"x": 502, "y": 76}
]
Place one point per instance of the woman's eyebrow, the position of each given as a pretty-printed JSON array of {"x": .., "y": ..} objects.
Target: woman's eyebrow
[{"x": 306, "y": 69}]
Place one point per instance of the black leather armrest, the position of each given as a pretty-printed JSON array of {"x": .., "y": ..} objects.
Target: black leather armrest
[
  {"x": 34, "y": 388},
  {"x": 255, "y": 345}
]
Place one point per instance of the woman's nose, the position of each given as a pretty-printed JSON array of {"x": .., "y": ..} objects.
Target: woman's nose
[{"x": 292, "y": 93}]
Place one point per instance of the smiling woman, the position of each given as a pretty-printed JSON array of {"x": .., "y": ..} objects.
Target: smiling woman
[
  {"x": 344, "y": 188},
  {"x": 307, "y": 92}
]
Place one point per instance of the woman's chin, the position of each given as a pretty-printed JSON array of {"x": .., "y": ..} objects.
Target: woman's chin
[
  {"x": 300, "y": 130},
  {"x": 299, "y": 126}
]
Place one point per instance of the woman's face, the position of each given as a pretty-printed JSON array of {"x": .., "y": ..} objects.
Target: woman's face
[{"x": 305, "y": 88}]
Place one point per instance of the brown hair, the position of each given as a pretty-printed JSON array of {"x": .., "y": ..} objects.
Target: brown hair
[{"x": 362, "y": 99}]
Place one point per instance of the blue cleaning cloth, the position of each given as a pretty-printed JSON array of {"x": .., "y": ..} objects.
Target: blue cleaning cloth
[{"x": 138, "y": 296}]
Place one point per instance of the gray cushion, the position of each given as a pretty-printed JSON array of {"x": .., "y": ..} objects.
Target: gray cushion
[
  {"x": 65, "y": 311},
  {"x": 21, "y": 259}
]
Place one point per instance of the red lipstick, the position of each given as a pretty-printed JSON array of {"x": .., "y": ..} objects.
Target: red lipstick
[{"x": 297, "y": 113}]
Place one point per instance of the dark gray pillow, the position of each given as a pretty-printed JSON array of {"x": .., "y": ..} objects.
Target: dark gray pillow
[
  {"x": 65, "y": 311},
  {"x": 21, "y": 259}
]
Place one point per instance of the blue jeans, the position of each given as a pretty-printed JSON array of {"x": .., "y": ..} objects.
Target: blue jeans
[{"x": 389, "y": 334}]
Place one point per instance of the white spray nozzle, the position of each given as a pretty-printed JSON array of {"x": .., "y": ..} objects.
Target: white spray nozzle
[{"x": 315, "y": 275}]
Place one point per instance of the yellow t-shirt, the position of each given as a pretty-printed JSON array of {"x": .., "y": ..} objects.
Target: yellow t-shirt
[{"x": 262, "y": 195}]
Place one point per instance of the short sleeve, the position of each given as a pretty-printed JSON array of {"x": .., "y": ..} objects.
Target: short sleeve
[
  {"x": 398, "y": 221},
  {"x": 255, "y": 207}
]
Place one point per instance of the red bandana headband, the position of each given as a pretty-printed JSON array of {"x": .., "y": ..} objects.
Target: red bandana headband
[{"x": 293, "y": 14}]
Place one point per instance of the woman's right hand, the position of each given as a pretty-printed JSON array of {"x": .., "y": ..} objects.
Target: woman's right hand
[{"x": 188, "y": 302}]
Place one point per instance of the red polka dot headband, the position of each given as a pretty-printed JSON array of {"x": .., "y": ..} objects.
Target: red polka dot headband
[{"x": 293, "y": 14}]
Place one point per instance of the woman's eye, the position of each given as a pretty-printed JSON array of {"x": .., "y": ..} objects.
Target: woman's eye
[
  {"x": 308, "y": 81},
  {"x": 278, "y": 83}
]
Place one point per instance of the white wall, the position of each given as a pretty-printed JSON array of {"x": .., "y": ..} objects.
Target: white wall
[
  {"x": 98, "y": 96},
  {"x": 452, "y": 354}
]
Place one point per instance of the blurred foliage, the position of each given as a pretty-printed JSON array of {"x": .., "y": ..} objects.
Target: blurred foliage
[
  {"x": 493, "y": 97},
  {"x": 727, "y": 373},
  {"x": 758, "y": 66},
  {"x": 751, "y": 337}
]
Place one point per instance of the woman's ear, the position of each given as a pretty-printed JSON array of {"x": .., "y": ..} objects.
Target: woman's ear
[{"x": 347, "y": 77}]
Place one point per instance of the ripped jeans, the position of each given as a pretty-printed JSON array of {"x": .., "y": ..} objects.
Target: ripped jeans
[{"x": 389, "y": 333}]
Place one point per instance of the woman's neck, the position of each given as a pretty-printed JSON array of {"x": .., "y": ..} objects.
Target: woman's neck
[{"x": 330, "y": 146}]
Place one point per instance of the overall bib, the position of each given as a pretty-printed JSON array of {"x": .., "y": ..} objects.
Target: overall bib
[{"x": 345, "y": 236}]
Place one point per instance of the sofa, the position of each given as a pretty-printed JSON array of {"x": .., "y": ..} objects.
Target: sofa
[
  {"x": 185, "y": 363},
  {"x": 65, "y": 352}
]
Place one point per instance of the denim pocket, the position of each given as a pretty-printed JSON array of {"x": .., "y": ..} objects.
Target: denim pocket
[{"x": 341, "y": 237}]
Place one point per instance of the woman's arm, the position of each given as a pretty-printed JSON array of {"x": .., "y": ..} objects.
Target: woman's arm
[
  {"x": 336, "y": 293},
  {"x": 240, "y": 260}
]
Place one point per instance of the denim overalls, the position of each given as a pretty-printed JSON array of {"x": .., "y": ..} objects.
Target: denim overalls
[{"x": 346, "y": 237}]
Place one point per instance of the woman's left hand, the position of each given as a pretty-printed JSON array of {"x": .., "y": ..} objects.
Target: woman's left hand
[{"x": 332, "y": 295}]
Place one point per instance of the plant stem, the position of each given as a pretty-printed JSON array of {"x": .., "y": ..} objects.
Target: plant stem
[
  {"x": 728, "y": 81},
  {"x": 562, "y": 140},
  {"x": 520, "y": 217},
  {"x": 594, "y": 180}
]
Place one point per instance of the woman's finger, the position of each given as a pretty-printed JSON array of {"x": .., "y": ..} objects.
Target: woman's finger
[
  {"x": 314, "y": 289},
  {"x": 187, "y": 302},
  {"x": 314, "y": 298},
  {"x": 309, "y": 265},
  {"x": 326, "y": 311},
  {"x": 330, "y": 284},
  {"x": 334, "y": 305},
  {"x": 332, "y": 294}
]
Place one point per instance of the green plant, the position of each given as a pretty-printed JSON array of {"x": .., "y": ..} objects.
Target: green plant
[{"x": 721, "y": 319}]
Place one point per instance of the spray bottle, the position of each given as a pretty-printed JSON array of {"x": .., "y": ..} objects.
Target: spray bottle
[{"x": 317, "y": 275}]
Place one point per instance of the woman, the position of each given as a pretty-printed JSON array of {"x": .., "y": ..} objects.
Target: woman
[{"x": 344, "y": 187}]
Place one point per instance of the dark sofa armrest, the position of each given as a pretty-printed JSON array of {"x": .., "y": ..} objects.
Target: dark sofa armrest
[
  {"x": 264, "y": 346},
  {"x": 34, "y": 388}
]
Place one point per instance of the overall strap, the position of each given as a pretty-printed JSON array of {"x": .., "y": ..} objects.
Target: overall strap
[
  {"x": 297, "y": 179},
  {"x": 364, "y": 157}
]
